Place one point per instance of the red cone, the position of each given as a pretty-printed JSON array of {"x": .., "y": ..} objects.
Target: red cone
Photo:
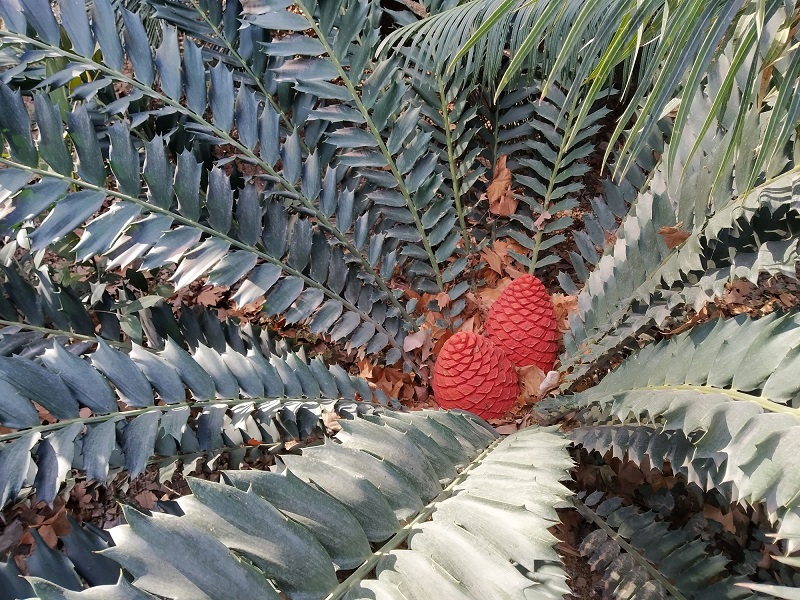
[
  {"x": 522, "y": 322},
  {"x": 473, "y": 374}
]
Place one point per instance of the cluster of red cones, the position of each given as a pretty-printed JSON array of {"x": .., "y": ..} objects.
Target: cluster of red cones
[{"x": 476, "y": 373}]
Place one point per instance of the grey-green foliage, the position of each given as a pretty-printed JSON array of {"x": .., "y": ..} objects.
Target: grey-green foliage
[
  {"x": 729, "y": 387},
  {"x": 237, "y": 396},
  {"x": 451, "y": 116},
  {"x": 551, "y": 167},
  {"x": 36, "y": 298},
  {"x": 639, "y": 280},
  {"x": 601, "y": 224},
  {"x": 659, "y": 51},
  {"x": 656, "y": 556},
  {"x": 310, "y": 231},
  {"x": 438, "y": 39},
  {"x": 262, "y": 525}
]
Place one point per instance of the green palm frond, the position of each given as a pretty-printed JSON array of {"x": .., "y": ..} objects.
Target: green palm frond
[
  {"x": 639, "y": 280},
  {"x": 753, "y": 235},
  {"x": 262, "y": 525},
  {"x": 302, "y": 229},
  {"x": 641, "y": 556},
  {"x": 144, "y": 402},
  {"x": 551, "y": 172},
  {"x": 734, "y": 396},
  {"x": 657, "y": 55},
  {"x": 496, "y": 29}
]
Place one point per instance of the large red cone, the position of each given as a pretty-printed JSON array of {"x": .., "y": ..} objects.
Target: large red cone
[
  {"x": 473, "y": 374},
  {"x": 522, "y": 322}
]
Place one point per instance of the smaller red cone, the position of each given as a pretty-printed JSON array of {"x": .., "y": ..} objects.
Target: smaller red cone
[
  {"x": 522, "y": 321},
  {"x": 473, "y": 374}
]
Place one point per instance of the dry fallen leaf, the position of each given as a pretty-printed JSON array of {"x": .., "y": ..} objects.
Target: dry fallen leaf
[
  {"x": 486, "y": 296},
  {"x": 739, "y": 292},
  {"x": 564, "y": 306},
  {"x": 550, "y": 382},
  {"x": 699, "y": 317},
  {"x": 472, "y": 324},
  {"x": 514, "y": 272},
  {"x": 210, "y": 295},
  {"x": 501, "y": 199},
  {"x": 673, "y": 235},
  {"x": 493, "y": 259},
  {"x": 365, "y": 369},
  {"x": 441, "y": 341},
  {"x": 530, "y": 380},
  {"x": 543, "y": 218},
  {"x": 146, "y": 499},
  {"x": 415, "y": 340},
  {"x": 443, "y": 300},
  {"x": 786, "y": 299},
  {"x": 506, "y": 429},
  {"x": 331, "y": 421}
]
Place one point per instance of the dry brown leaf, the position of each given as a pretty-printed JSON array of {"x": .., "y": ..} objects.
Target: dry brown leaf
[
  {"x": 44, "y": 414},
  {"x": 415, "y": 340},
  {"x": 473, "y": 324},
  {"x": 629, "y": 478},
  {"x": 506, "y": 429},
  {"x": 787, "y": 300},
  {"x": 210, "y": 295},
  {"x": 501, "y": 199},
  {"x": 331, "y": 421},
  {"x": 497, "y": 256},
  {"x": 501, "y": 248},
  {"x": 493, "y": 260},
  {"x": 673, "y": 235},
  {"x": 146, "y": 499},
  {"x": 59, "y": 522},
  {"x": 485, "y": 297},
  {"x": 421, "y": 392},
  {"x": 514, "y": 272},
  {"x": 543, "y": 218},
  {"x": 48, "y": 535},
  {"x": 564, "y": 306},
  {"x": 427, "y": 347},
  {"x": 517, "y": 247},
  {"x": 443, "y": 300},
  {"x": 10, "y": 536},
  {"x": 530, "y": 380},
  {"x": 441, "y": 341},
  {"x": 739, "y": 292},
  {"x": 699, "y": 317},
  {"x": 365, "y": 369}
]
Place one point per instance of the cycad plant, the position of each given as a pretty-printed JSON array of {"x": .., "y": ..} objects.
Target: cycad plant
[{"x": 274, "y": 151}]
